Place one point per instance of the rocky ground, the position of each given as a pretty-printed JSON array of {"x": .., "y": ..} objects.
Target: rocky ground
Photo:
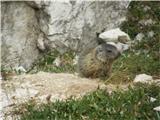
[{"x": 44, "y": 87}]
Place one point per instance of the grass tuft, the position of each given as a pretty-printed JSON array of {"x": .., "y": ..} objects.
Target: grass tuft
[{"x": 46, "y": 63}]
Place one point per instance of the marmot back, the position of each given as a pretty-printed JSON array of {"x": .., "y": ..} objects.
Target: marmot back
[{"x": 96, "y": 59}]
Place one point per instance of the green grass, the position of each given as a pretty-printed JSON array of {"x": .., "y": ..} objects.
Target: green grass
[
  {"x": 133, "y": 104},
  {"x": 46, "y": 63},
  {"x": 136, "y": 12},
  {"x": 130, "y": 64}
]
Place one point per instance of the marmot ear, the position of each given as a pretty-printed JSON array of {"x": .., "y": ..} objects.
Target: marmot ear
[
  {"x": 99, "y": 40},
  {"x": 97, "y": 34}
]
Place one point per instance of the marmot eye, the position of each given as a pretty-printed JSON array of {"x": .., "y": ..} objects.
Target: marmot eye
[
  {"x": 109, "y": 51},
  {"x": 100, "y": 50}
]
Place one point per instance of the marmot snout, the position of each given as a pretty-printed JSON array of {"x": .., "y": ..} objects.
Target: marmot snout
[{"x": 106, "y": 52}]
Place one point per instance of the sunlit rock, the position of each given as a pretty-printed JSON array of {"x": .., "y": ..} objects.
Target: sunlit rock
[
  {"x": 143, "y": 78},
  {"x": 113, "y": 35}
]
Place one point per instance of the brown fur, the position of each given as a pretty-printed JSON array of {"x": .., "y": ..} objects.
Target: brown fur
[
  {"x": 96, "y": 59},
  {"x": 91, "y": 67}
]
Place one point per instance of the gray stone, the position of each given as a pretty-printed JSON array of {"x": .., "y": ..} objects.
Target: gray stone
[
  {"x": 113, "y": 35},
  {"x": 150, "y": 34},
  {"x": 19, "y": 35},
  {"x": 139, "y": 36},
  {"x": 76, "y": 25},
  {"x": 157, "y": 108},
  {"x": 40, "y": 42},
  {"x": 152, "y": 99},
  {"x": 146, "y": 8},
  {"x": 143, "y": 78},
  {"x": 20, "y": 69},
  {"x": 57, "y": 62},
  {"x": 75, "y": 60},
  {"x": 147, "y": 22}
]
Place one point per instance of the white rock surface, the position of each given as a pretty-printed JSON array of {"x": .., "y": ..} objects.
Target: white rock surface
[
  {"x": 57, "y": 62},
  {"x": 139, "y": 37},
  {"x": 157, "y": 108},
  {"x": 40, "y": 42},
  {"x": 113, "y": 34},
  {"x": 0, "y": 77},
  {"x": 150, "y": 34},
  {"x": 146, "y": 22},
  {"x": 143, "y": 78},
  {"x": 20, "y": 69},
  {"x": 146, "y": 8},
  {"x": 75, "y": 60},
  {"x": 152, "y": 99},
  {"x": 19, "y": 30},
  {"x": 75, "y": 24}
]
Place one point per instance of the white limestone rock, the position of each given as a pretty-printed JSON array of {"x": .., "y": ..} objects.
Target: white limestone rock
[
  {"x": 40, "y": 42},
  {"x": 75, "y": 23},
  {"x": 157, "y": 108},
  {"x": 20, "y": 69},
  {"x": 146, "y": 22},
  {"x": 139, "y": 36},
  {"x": 150, "y": 34},
  {"x": 57, "y": 62},
  {"x": 75, "y": 60},
  {"x": 0, "y": 77},
  {"x": 19, "y": 35},
  {"x": 113, "y": 35},
  {"x": 152, "y": 99},
  {"x": 143, "y": 78}
]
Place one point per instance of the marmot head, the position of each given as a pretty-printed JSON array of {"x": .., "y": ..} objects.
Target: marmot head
[{"x": 105, "y": 52}]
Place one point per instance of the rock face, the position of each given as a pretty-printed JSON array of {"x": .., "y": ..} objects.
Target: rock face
[
  {"x": 19, "y": 35},
  {"x": 31, "y": 27}
]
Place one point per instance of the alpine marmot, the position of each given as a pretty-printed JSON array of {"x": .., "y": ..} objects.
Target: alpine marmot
[{"x": 96, "y": 59}]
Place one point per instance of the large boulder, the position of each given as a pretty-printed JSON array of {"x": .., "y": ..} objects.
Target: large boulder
[
  {"x": 74, "y": 24},
  {"x": 19, "y": 35}
]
